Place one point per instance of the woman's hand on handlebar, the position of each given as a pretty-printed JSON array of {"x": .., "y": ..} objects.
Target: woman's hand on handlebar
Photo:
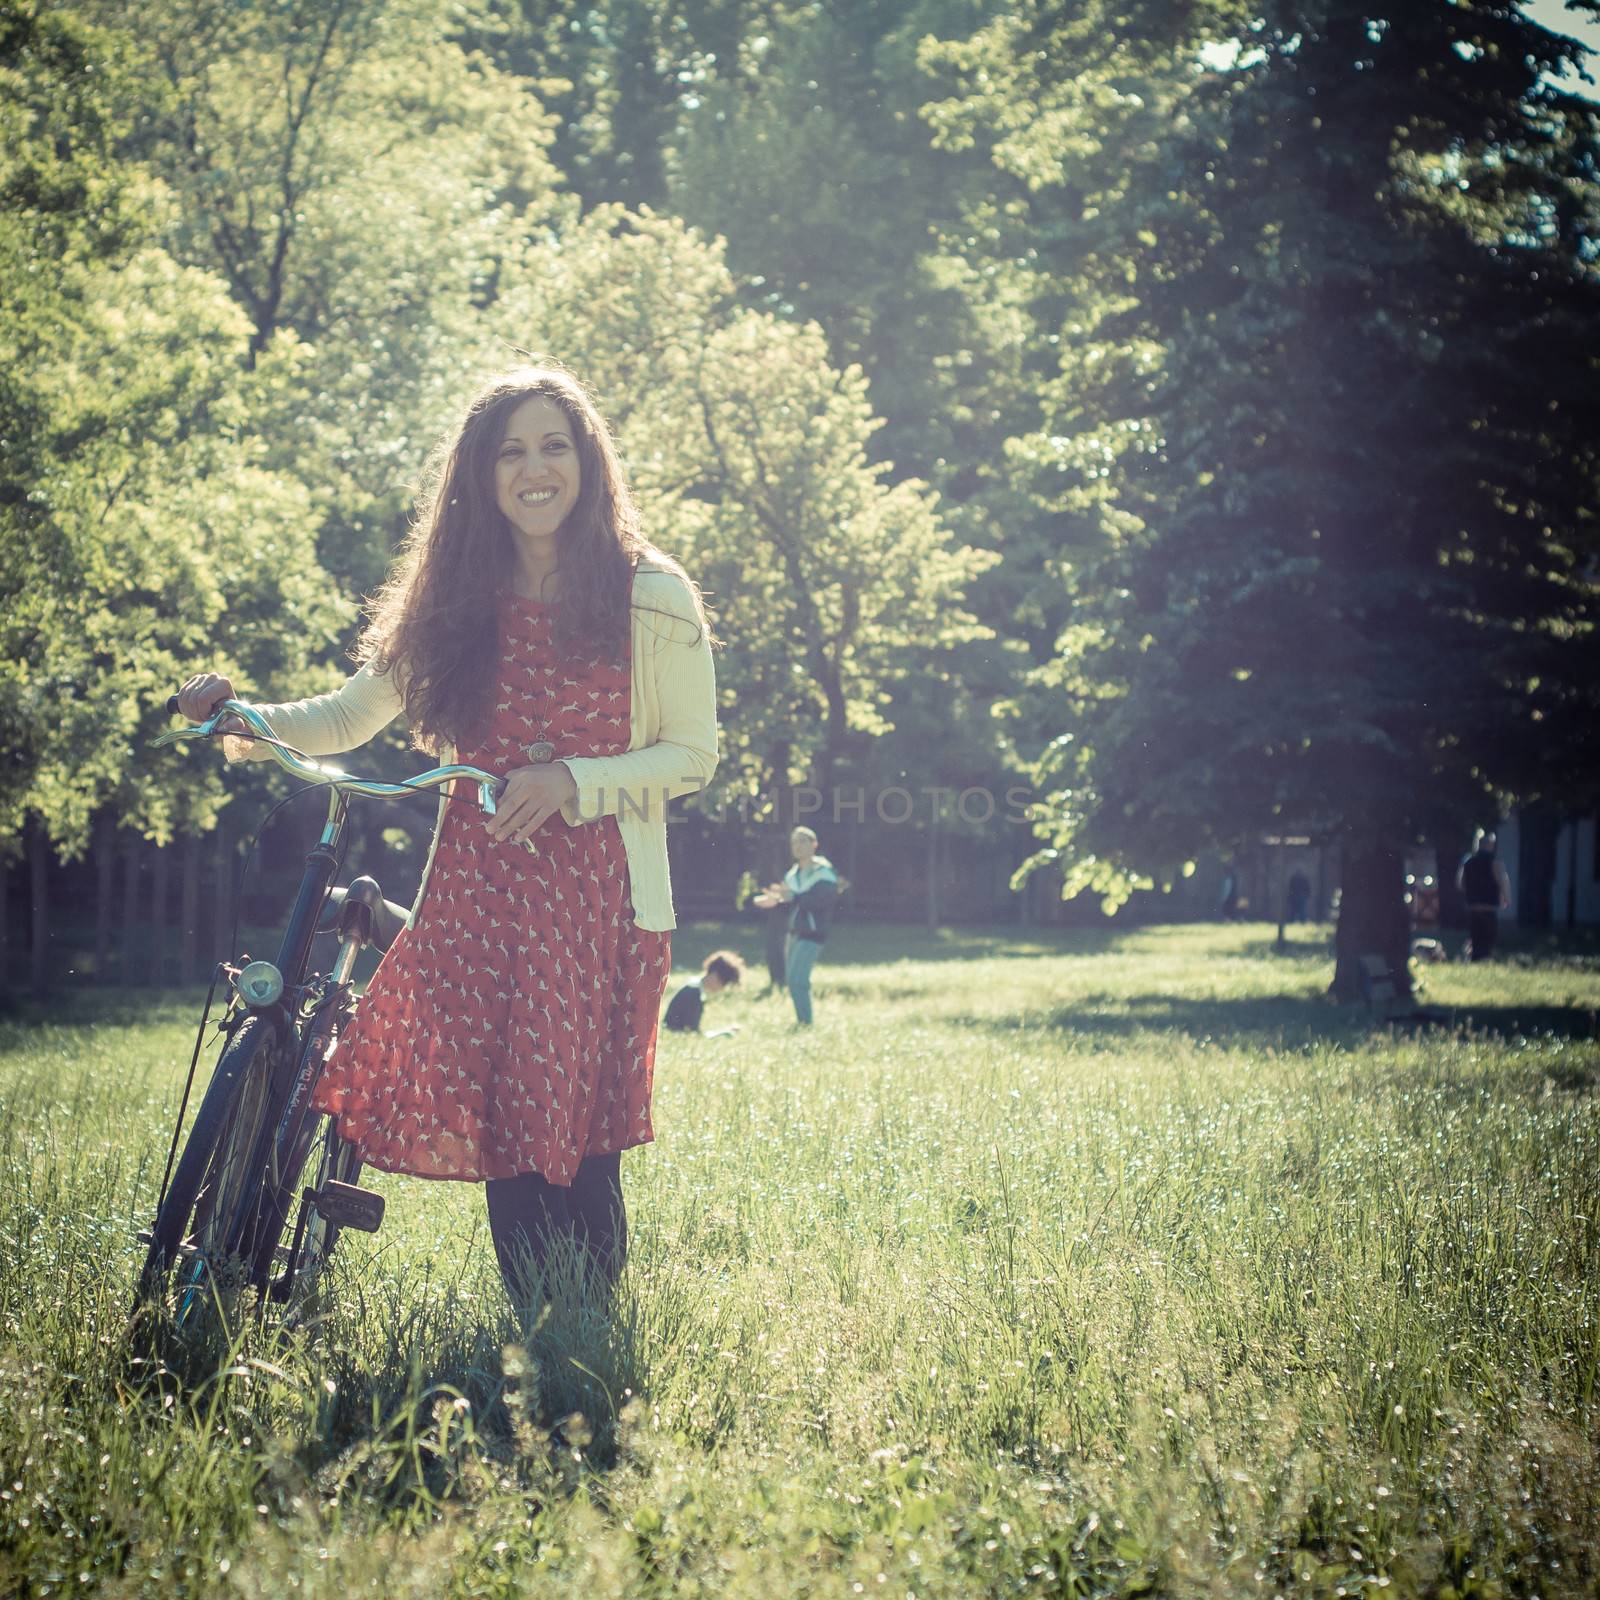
[
  {"x": 202, "y": 694},
  {"x": 531, "y": 796}
]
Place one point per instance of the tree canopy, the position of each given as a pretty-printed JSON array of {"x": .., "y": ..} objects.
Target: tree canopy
[
  {"x": 1322, "y": 431},
  {"x": 1192, "y": 405}
]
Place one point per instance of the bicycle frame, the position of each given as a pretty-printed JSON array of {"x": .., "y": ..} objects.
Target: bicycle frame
[{"x": 304, "y": 1011}]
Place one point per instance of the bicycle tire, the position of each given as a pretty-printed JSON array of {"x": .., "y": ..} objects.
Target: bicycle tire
[{"x": 225, "y": 1143}]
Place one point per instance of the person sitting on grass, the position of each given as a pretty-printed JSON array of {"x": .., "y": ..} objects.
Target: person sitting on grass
[{"x": 722, "y": 969}]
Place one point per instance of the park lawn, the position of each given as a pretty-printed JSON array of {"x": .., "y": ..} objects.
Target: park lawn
[{"x": 1046, "y": 1263}]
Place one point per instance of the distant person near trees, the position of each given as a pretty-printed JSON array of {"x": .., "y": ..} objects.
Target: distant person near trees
[
  {"x": 720, "y": 970},
  {"x": 530, "y": 628},
  {"x": 810, "y": 888},
  {"x": 1299, "y": 897},
  {"x": 1228, "y": 895},
  {"x": 1483, "y": 883}
]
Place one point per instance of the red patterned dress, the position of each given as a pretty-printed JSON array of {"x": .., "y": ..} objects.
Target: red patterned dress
[{"x": 512, "y": 1028}]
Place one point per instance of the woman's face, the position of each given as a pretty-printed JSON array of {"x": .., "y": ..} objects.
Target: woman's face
[
  {"x": 536, "y": 472},
  {"x": 802, "y": 846}
]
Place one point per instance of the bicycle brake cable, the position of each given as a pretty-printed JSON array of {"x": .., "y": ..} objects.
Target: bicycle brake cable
[{"x": 188, "y": 1083}]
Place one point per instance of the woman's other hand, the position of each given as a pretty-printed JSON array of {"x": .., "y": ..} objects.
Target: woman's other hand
[
  {"x": 529, "y": 797},
  {"x": 202, "y": 694}
]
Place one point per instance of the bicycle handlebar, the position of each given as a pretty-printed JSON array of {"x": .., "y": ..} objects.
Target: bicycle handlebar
[{"x": 301, "y": 766}]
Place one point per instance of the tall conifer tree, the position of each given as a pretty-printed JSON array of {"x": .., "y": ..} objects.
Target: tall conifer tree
[{"x": 1328, "y": 403}]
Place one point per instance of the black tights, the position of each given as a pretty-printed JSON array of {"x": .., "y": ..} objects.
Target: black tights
[{"x": 531, "y": 1218}]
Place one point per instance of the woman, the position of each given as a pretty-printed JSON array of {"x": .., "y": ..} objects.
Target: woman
[
  {"x": 810, "y": 888},
  {"x": 529, "y": 628}
]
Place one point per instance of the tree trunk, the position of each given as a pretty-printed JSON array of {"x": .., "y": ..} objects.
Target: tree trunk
[
  {"x": 1373, "y": 919},
  {"x": 1572, "y": 871},
  {"x": 931, "y": 871},
  {"x": 160, "y": 879},
  {"x": 189, "y": 912},
  {"x": 783, "y": 818},
  {"x": 105, "y": 884},
  {"x": 1448, "y": 849},
  {"x": 129, "y": 965},
  {"x": 39, "y": 892}
]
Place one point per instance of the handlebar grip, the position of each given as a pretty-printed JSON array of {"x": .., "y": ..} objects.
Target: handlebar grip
[{"x": 172, "y": 705}]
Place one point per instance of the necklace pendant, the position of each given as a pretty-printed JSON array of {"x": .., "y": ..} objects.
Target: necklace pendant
[{"x": 540, "y": 752}]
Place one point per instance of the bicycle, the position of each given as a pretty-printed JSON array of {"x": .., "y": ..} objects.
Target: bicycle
[{"x": 225, "y": 1203}]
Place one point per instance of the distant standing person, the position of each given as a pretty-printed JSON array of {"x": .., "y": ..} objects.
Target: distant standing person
[
  {"x": 1483, "y": 883},
  {"x": 722, "y": 969},
  {"x": 1299, "y": 897},
  {"x": 1228, "y": 895},
  {"x": 809, "y": 888}
]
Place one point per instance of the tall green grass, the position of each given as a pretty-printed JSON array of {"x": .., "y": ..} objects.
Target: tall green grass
[{"x": 1043, "y": 1264}]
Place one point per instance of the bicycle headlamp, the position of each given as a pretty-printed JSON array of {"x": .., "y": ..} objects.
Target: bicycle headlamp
[{"x": 260, "y": 983}]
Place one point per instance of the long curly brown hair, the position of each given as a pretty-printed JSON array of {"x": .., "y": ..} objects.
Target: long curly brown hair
[{"x": 432, "y": 622}]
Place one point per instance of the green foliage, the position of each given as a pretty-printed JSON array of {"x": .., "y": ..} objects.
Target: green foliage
[
  {"x": 750, "y": 453},
  {"x": 1233, "y": 370},
  {"x": 794, "y": 134},
  {"x": 135, "y": 510},
  {"x": 1322, "y": 429},
  {"x": 365, "y": 187},
  {"x": 359, "y": 236}
]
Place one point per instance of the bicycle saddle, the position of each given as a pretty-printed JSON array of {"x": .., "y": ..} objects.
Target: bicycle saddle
[{"x": 381, "y": 919}]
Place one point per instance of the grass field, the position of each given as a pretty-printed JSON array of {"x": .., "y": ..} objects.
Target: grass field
[{"x": 1044, "y": 1264}]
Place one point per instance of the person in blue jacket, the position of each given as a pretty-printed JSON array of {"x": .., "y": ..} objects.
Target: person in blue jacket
[{"x": 810, "y": 887}]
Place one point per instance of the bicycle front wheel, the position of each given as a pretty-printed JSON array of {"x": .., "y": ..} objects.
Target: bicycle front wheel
[{"x": 207, "y": 1215}]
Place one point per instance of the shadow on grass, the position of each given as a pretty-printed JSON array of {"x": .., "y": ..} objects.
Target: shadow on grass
[
  {"x": 1286, "y": 1021},
  {"x": 1298, "y": 949},
  {"x": 109, "y": 1008}
]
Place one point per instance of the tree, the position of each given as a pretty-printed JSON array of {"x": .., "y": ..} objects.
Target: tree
[
  {"x": 815, "y": 163},
  {"x": 617, "y": 77},
  {"x": 793, "y": 133},
  {"x": 364, "y": 186},
  {"x": 133, "y": 487},
  {"x": 1325, "y": 422},
  {"x": 750, "y": 453}
]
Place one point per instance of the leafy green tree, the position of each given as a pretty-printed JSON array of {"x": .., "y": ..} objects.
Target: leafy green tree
[
  {"x": 793, "y": 132},
  {"x": 1325, "y": 423},
  {"x": 751, "y": 453},
  {"x": 618, "y": 76},
  {"x": 140, "y": 528},
  {"x": 365, "y": 187},
  {"x": 817, "y": 165}
]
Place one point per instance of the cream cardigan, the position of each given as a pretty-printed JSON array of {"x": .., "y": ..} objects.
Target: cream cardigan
[{"x": 672, "y": 737}]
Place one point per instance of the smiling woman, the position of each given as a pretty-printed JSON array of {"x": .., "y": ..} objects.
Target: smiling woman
[{"x": 529, "y": 628}]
